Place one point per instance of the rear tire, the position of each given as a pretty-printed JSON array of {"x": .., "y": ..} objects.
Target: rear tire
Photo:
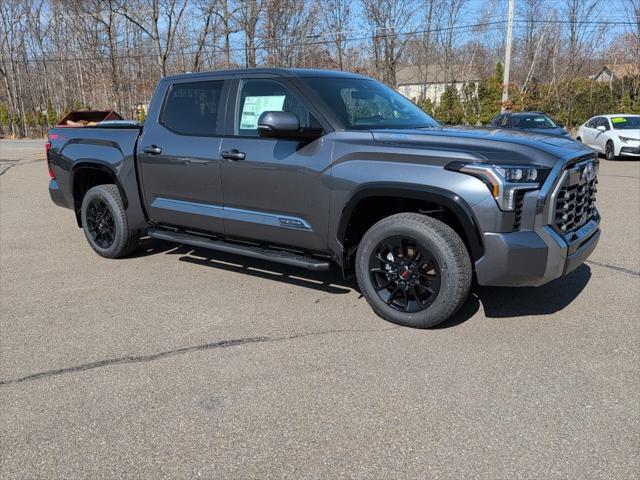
[
  {"x": 413, "y": 270},
  {"x": 609, "y": 151},
  {"x": 104, "y": 222}
]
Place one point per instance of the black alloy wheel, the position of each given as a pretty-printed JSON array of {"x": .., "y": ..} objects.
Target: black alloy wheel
[
  {"x": 100, "y": 223},
  {"x": 405, "y": 274},
  {"x": 609, "y": 152}
]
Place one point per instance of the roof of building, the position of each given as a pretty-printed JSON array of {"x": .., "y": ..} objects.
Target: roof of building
[
  {"x": 619, "y": 70},
  {"x": 414, "y": 74}
]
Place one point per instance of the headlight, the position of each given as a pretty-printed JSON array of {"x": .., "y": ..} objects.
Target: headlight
[
  {"x": 625, "y": 139},
  {"x": 504, "y": 181}
]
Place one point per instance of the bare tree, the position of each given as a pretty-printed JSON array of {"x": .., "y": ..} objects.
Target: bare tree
[
  {"x": 149, "y": 16},
  {"x": 388, "y": 21},
  {"x": 247, "y": 17},
  {"x": 336, "y": 16},
  {"x": 451, "y": 12},
  {"x": 583, "y": 38},
  {"x": 289, "y": 27}
]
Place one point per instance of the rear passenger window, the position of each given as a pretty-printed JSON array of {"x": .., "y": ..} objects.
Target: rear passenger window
[{"x": 192, "y": 108}]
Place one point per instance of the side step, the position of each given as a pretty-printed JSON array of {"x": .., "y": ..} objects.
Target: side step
[{"x": 280, "y": 256}]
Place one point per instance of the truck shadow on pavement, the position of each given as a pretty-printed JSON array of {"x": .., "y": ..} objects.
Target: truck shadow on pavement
[
  {"x": 513, "y": 302},
  {"x": 497, "y": 302}
]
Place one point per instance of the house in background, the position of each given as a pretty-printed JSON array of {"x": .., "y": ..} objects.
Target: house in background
[
  {"x": 609, "y": 73},
  {"x": 411, "y": 82}
]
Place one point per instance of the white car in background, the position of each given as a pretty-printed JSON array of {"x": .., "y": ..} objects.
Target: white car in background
[{"x": 613, "y": 135}]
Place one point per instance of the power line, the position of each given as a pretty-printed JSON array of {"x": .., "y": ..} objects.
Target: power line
[{"x": 482, "y": 27}]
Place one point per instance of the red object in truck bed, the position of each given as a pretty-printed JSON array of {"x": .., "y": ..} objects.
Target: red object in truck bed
[{"x": 75, "y": 118}]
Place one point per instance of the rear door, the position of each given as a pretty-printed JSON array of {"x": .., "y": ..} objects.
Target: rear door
[
  {"x": 277, "y": 192},
  {"x": 179, "y": 154}
]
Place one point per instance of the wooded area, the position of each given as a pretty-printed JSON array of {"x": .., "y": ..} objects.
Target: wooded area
[{"x": 60, "y": 55}]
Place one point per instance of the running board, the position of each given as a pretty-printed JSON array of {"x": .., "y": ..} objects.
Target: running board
[{"x": 280, "y": 256}]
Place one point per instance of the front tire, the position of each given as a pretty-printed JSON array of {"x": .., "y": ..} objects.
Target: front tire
[
  {"x": 105, "y": 223},
  {"x": 609, "y": 151},
  {"x": 413, "y": 270}
]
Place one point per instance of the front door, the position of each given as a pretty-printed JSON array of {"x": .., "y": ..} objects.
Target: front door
[
  {"x": 275, "y": 190},
  {"x": 179, "y": 157},
  {"x": 589, "y": 132},
  {"x": 600, "y": 137}
]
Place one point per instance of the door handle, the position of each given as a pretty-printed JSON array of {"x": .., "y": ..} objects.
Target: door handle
[
  {"x": 152, "y": 150},
  {"x": 233, "y": 155}
]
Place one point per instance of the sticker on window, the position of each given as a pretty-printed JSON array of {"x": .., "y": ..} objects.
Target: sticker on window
[
  {"x": 254, "y": 107},
  {"x": 618, "y": 120}
]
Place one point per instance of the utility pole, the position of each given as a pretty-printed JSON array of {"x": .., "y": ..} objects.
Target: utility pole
[{"x": 507, "y": 55}]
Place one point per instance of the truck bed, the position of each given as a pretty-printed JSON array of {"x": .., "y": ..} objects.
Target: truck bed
[{"x": 110, "y": 145}]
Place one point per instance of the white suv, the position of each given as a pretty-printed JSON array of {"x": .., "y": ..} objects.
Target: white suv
[{"x": 613, "y": 135}]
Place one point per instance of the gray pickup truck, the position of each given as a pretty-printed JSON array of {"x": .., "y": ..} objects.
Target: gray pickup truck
[{"x": 312, "y": 168}]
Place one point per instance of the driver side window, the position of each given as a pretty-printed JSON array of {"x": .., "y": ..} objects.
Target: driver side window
[
  {"x": 257, "y": 96},
  {"x": 605, "y": 123}
]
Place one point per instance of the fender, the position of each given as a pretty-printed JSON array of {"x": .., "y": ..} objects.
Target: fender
[
  {"x": 104, "y": 168},
  {"x": 440, "y": 196}
]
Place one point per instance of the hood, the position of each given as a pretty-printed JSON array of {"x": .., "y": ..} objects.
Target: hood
[
  {"x": 630, "y": 133},
  {"x": 488, "y": 144},
  {"x": 546, "y": 131}
]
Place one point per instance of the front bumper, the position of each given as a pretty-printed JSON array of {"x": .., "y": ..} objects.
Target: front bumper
[
  {"x": 635, "y": 151},
  {"x": 533, "y": 258}
]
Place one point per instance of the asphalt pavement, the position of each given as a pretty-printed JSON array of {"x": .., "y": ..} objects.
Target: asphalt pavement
[{"x": 183, "y": 363}]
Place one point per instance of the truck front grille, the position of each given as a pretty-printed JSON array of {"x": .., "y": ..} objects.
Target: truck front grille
[{"x": 576, "y": 198}]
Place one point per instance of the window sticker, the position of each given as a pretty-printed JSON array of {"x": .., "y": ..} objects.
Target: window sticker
[
  {"x": 254, "y": 107},
  {"x": 618, "y": 120}
]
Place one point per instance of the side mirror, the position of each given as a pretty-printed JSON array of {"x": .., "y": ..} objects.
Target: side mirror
[
  {"x": 560, "y": 124},
  {"x": 601, "y": 128},
  {"x": 285, "y": 125},
  {"x": 278, "y": 125}
]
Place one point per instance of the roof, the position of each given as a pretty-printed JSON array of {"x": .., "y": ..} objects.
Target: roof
[
  {"x": 611, "y": 115},
  {"x": 284, "y": 72},
  {"x": 413, "y": 74},
  {"x": 521, "y": 114},
  {"x": 620, "y": 70}
]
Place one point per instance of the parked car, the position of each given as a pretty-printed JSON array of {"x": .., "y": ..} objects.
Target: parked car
[
  {"x": 612, "y": 135},
  {"x": 312, "y": 168},
  {"x": 536, "y": 122}
]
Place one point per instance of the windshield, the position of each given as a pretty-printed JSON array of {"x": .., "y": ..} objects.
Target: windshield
[
  {"x": 625, "y": 123},
  {"x": 362, "y": 104},
  {"x": 532, "y": 121}
]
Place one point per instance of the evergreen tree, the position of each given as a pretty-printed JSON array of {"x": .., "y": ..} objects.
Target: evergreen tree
[
  {"x": 30, "y": 119},
  {"x": 449, "y": 110},
  {"x": 52, "y": 115},
  {"x": 41, "y": 120},
  {"x": 4, "y": 115},
  {"x": 490, "y": 95},
  {"x": 427, "y": 106},
  {"x": 627, "y": 107},
  {"x": 470, "y": 105}
]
